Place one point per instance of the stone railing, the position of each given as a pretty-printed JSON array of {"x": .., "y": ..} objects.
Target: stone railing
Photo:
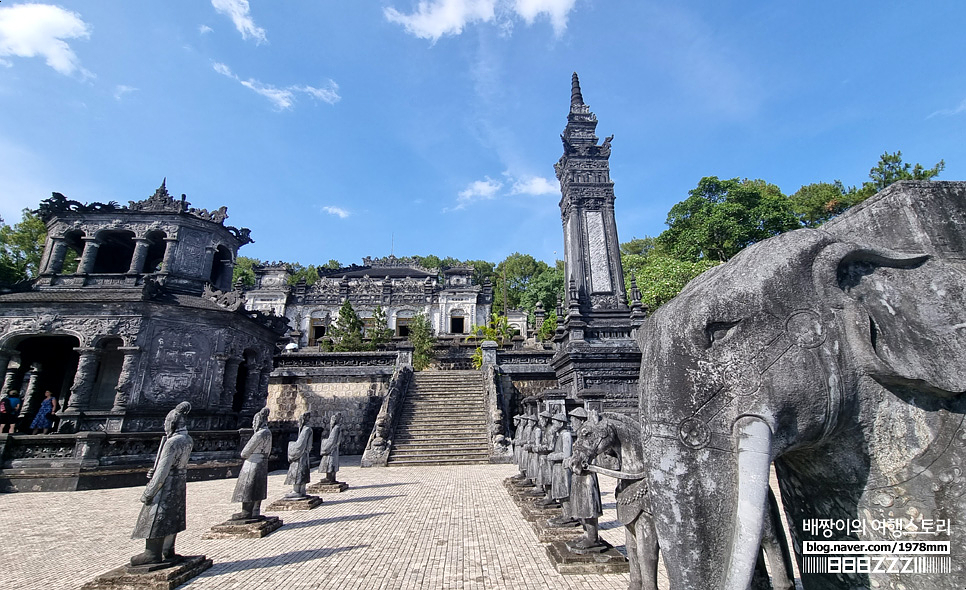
[
  {"x": 94, "y": 460},
  {"x": 496, "y": 411},
  {"x": 335, "y": 362},
  {"x": 380, "y": 440}
]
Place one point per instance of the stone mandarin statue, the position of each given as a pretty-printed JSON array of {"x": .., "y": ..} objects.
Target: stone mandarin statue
[
  {"x": 585, "y": 503},
  {"x": 252, "y": 485},
  {"x": 329, "y": 449},
  {"x": 298, "y": 456},
  {"x": 163, "y": 515},
  {"x": 560, "y": 475},
  {"x": 550, "y": 435}
]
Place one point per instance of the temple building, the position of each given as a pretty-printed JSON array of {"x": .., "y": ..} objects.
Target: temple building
[
  {"x": 400, "y": 286},
  {"x": 111, "y": 324}
]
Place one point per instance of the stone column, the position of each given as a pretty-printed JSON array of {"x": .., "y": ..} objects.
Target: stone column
[
  {"x": 4, "y": 363},
  {"x": 10, "y": 380},
  {"x": 58, "y": 252},
  {"x": 86, "y": 264},
  {"x": 125, "y": 381},
  {"x": 30, "y": 396},
  {"x": 489, "y": 352},
  {"x": 230, "y": 382},
  {"x": 264, "y": 375},
  {"x": 140, "y": 253},
  {"x": 216, "y": 398},
  {"x": 169, "y": 248},
  {"x": 80, "y": 391}
]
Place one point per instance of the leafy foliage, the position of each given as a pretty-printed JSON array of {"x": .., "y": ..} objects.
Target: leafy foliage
[
  {"x": 245, "y": 271},
  {"x": 816, "y": 203},
  {"x": 497, "y": 330},
  {"x": 721, "y": 217},
  {"x": 346, "y": 332},
  {"x": 300, "y": 272},
  {"x": 21, "y": 248},
  {"x": 548, "y": 327},
  {"x": 660, "y": 276},
  {"x": 422, "y": 339},
  {"x": 379, "y": 332}
]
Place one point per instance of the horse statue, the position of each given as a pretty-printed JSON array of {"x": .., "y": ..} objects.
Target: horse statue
[{"x": 620, "y": 435}]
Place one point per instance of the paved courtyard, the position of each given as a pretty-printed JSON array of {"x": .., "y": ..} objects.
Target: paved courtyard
[{"x": 400, "y": 527}]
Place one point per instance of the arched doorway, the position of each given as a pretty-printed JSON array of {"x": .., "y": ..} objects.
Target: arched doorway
[
  {"x": 109, "y": 364},
  {"x": 55, "y": 359}
]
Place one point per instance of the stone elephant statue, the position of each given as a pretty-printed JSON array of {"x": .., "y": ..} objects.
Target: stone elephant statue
[{"x": 838, "y": 354}]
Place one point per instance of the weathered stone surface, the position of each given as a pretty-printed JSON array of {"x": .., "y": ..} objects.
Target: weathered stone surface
[
  {"x": 566, "y": 561},
  {"x": 547, "y": 532},
  {"x": 838, "y": 352},
  {"x": 306, "y": 503},
  {"x": 328, "y": 488},
  {"x": 126, "y": 577},
  {"x": 255, "y": 529}
]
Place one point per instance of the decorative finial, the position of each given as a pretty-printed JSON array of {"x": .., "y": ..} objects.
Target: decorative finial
[{"x": 575, "y": 96}]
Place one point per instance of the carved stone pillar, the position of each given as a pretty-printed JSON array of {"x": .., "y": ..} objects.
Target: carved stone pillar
[
  {"x": 169, "y": 248},
  {"x": 216, "y": 398},
  {"x": 140, "y": 254},
  {"x": 125, "y": 381},
  {"x": 263, "y": 378},
  {"x": 58, "y": 252},
  {"x": 4, "y": 363},
  {"x": 230, "y": 381},
  {"x": 30, "y": 396},
  {"x": 86, "y": 264},
  {"x": 10, "y": 380},
  {"x": 80, "y": 391},
  {"x": 251, "y": 389}
]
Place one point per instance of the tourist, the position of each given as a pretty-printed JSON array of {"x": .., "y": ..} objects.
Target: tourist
[
  {"x": 44, "y": 420},
  {"x": 10, "y": 410}
]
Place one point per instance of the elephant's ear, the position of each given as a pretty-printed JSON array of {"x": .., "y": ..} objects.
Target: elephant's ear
[{"x": 904, "y": 315}]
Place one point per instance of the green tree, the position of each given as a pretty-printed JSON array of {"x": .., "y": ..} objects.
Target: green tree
[
  {"x": 549, "y": 326},
  {"x": 482, "y": 271},
  {"x": 21, "y": 248},
  {"x": 720, "y": 217},
  {"x": 639, "y": 246},
  {"x": 245, "y": 271},
  {"x": 515, "y": 274},
  {"x": 422, "y": 339},
  {"x": 332, "y": 264},
  {"x": 431, "y": 261},
  {"x": 300, "y": 272},
  {"x": 661, "y": 276},
  {"x": 546, "y": 286},
  {"x": 379, "y": 332},
  {"x": 498, "y": 330},
  {"x": 890, "y": 169},
  {"x": 346, "y": 332}
]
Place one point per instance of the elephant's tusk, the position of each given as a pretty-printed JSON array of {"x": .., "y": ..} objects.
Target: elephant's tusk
[{"x": 612, "y": 473}]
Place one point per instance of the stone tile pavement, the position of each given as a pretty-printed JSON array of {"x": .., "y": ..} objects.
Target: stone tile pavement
[{"x": 446, "y": 527}]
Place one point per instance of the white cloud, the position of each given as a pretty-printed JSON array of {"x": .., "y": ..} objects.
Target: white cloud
[
  {"x": 338, "y": 211},
  {"x": 237, "y": 10},
  {"x": 555, "y": 10},
  {"x": 434, "y": 18},
  {"x": 120, "y": 90},
  {"x": 478, "y": 190},
  {"x": 29, "y": 30},
  {"x": 282, "y": 98},
  {"x": 961, "y": 108},
  {"x": 534, "y": 185},
  {"x": 204, "y": 30},
  {"x": 329, "y": 93}
]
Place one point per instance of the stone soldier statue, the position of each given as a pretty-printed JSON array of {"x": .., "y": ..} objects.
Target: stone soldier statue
[
  {"x": 525, "y": 439},
  {"x": 585, "y": 503},
  {"x": 550, "y": 434},
  {"x": 298, "y": 456},
  {"x": 533, "y": 461},
  {"x": 163, "y": 515},
  {"x": 519, "y": 424},
  {"x": 329, "y": 449},
  {"x": 252, "y": 485},
  {"x": 560, "y": 476}
]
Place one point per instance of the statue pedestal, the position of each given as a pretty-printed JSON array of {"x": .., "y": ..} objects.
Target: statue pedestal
[
  {"x": 605, "y": 561},
  {"x": 306, "y": 503},
  {"x": 532, "y": 512},
  {"x": 548, "y": 532},
  {"x": 333, "y": 487},
  {"x": 160, "y": 576},
  {"x": 244, "y": 529}
]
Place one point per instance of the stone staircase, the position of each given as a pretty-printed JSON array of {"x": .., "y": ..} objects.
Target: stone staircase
[{"x": 442, "y": 421}]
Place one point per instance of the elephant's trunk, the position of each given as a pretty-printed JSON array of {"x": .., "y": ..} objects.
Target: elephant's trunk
[{"x": 753, "y": 437}]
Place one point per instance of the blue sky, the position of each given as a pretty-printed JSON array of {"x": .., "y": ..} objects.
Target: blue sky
[{"x": 338, "y": 129}]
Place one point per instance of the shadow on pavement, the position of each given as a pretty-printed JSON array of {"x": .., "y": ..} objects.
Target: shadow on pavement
[
  {"x": 383, "y": 485},
  {"x": 227, "y": 567},
  {"x": 332, "y": 520},
  {"x": 363, "y": 499}
]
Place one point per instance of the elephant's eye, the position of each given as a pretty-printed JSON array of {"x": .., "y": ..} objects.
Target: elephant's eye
[{"x": 718, "y": 331}]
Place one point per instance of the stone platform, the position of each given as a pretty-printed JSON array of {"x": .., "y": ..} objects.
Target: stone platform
[
  {"x": 150, "y": 577},
  {"x": 327, "y": 488},
  {"x": 547, "y": 533},
  {"x": 238, "y": 529},
  {"x": 306, "y": 503},
  {"x": 566, "y": 561}
]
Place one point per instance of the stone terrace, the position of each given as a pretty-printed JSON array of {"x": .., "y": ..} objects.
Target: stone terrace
[{"x": 437, "y": 527}]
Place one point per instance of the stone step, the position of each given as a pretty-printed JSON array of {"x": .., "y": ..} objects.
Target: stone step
[
  {"x": 432, "y": 448},
  {"x": 427, "y": 462},
  {"x": 439, "y": 454},
  {"x": 436, "y": 434}
]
